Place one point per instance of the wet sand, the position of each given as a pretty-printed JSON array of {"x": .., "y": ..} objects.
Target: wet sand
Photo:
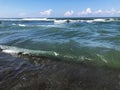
[{"x": 31, "y": 73}]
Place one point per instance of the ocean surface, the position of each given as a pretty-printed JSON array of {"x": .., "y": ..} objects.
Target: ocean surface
[{"x": 91, "y": 41}]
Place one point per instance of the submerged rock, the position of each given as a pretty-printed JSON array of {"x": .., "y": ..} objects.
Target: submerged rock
[
  {"x": 54, "y": 75},
  {"x": 1, "y": 49}
]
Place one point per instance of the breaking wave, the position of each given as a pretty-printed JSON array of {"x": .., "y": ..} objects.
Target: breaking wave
[{"x": 95, "y": 59}]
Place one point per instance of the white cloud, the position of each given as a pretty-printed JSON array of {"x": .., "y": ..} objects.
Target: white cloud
[
  {"x": 46, "y": 12},
  {"x": 99, "y": 12},
  {"x": 88, "y": 11},
  {"x": 69, "y": 13},
  {"x": 111, "y": 12},
  {"x": 85, "y": 12},
  {"x": 118, "y": 11}
]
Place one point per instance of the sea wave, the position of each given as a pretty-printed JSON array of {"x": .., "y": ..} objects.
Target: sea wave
[
  {"x": 97, "y": 59},
  {"x": 16, "y": 51},
  {"x": 63, "y": 20},
  {"x": 90, "y": 40}
]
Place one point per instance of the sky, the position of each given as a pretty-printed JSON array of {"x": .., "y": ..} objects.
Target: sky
[{"x": 59, "y": 8}]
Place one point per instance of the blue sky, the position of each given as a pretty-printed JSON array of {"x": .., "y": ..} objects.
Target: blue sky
[{"x": 59, "y": 8}]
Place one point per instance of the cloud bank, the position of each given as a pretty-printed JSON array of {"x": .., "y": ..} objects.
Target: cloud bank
[
  {"x": 88, "y": 12},
  {"x": 99, "y": 12}
]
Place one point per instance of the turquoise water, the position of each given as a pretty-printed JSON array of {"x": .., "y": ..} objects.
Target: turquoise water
[{"x": 94, "y": 41}]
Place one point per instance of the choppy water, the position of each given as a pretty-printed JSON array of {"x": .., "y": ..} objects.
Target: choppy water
[
  {"x": 89, "y": 40},
  {"x": 93, "y": 41}
]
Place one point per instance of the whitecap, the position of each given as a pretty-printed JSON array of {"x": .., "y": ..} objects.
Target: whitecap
[
  {"x": 21, "y": 25},
  {"x": 59, "y": 21},
  {"x": 99, "y": 20}
]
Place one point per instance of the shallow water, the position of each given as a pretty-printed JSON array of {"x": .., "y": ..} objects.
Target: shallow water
[
  {"x": 82, "y": 52},
  {"x": 52, "y": 74}
]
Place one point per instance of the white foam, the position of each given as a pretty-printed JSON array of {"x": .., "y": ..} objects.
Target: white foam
[
  {"x": 59, "y": 21},
  {"x": 99, "y": 20},
  {"x": 15, "y": 51},
  {"x": 111, "y": 19},
  {"x": 22, "y": 25},
  {"x": 56, "y": 54},
  {"x": 89, "y": 21},
  {"x": 102, "y": 58},
  {"x": 10, "y": 51}
]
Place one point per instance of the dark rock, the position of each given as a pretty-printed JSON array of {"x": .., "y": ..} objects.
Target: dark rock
[{"x": 1, "y": 50}]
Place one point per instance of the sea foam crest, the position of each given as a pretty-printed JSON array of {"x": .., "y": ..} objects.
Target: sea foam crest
[
  {"x": 99, "y": 20},
  {"x": 78, "y": 21},
  {"x": 21, "y": 25},
  {"x": 15, "y": 51},
  {"x": 59, "y": 21}
]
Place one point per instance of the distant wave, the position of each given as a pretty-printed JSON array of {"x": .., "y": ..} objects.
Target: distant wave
[
  {"x": 65, "y": 20},
  {"x": 59, "y": 21}
]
